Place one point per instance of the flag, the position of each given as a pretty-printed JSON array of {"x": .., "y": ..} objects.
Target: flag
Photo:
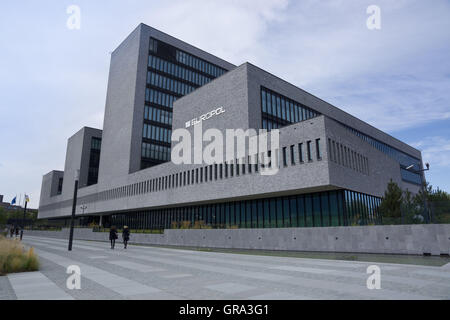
[
  {"x": 27, "y": 199},
  {"x": 13, "y": 200}
]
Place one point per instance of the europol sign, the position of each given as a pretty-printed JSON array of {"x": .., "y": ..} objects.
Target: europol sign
[{"x": 205, "y": 116}]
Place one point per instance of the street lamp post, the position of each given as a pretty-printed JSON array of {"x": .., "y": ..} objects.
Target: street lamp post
[
  {"x": 74, "y": 205},
  {"x": 23, "y": 220}
]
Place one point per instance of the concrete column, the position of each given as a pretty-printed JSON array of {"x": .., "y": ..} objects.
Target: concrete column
[{"x": 100, "y": 223}]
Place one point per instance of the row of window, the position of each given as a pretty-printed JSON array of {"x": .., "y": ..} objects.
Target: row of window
[
  {"x": 401, "y": 157},
  {"x": 297, "y": 153},
  {"x": 279, "y": 111},
  {"x": 332, "y": 208},
  {"x": 157, "y": 115},
  {"x": 177, "y": 71},
  {"x": 283, "y": 108},
  {"x": 168, "y": 84},
  {"x": 166, "y": 71},
  {"x": 213, "y": 172},
  {"x": 346, "y": 157},
  {"x": 404, "y": 159},
  {"x": 199, "y": 64},
  {"x": 153, "y": 151},
  {"x": 157, "y": 133},
  {"x": 160, "y": 98}
]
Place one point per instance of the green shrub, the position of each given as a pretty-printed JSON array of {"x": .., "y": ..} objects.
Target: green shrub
[{"x": 14, "y": 257}]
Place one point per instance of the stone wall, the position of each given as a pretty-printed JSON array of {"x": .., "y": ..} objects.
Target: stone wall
[{"x": 405, "y": 239}]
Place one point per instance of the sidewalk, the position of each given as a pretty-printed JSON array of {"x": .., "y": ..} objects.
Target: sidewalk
[{"x": 162, "y": 273}]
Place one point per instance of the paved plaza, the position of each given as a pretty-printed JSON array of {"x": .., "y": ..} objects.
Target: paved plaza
[{"x": 164, "y": 273}]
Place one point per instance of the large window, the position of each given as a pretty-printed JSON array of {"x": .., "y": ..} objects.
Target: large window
[
  {"x": 60, "y": 185},
  {"x": 199, "y": 64},
  {"x": 171, "y": 74},
  {"x": 278, "y": 110},
  {"x": 331, "y": 208},
  {"x": 94, "y": 161}
]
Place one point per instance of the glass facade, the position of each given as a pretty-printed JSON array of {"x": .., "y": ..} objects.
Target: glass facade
[
  {"x": 323, "y": 209},
  {"x": 94, "y": 161},
  {"x": 171, "y": 74},
  {"x": 279, "y": 111},
  {"x": 60, "y": 185}
]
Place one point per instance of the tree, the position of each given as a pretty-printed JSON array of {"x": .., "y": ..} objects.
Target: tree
[
  {"x": 411, "y": 211},
  {"x": 428, "y": 205},
  {"x": 391, "y": 203},
  {"x": 438, "y": 203}
]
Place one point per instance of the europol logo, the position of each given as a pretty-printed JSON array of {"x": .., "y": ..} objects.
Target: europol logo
[{"x": 205, "y": 116}]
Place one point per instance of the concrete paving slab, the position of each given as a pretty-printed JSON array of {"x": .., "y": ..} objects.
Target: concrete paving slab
[
  {"x": 190, "y": 274},
  {"x": 36, "y": 286}
]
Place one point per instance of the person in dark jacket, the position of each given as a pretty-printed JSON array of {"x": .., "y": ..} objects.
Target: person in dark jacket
[
  {"x": 113, "y": 236},
  {"x": 125, "y": 236}
]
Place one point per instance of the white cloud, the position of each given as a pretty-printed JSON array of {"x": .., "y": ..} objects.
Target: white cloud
[
  {"x": 435, "y": 150},
  {"x": 233, "y": 30}
]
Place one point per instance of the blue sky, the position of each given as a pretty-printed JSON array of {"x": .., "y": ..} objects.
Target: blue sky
[{"x": 53, "y": 80}]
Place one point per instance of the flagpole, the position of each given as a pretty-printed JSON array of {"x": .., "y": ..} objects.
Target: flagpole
[{"x": 23, "y": 219}]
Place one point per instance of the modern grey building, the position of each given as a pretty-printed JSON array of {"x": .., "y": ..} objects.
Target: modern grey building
[{"x": 333, "y": 167}]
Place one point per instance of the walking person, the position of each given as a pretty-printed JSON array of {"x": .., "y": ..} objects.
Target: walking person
[
  {"x": 17, "y": 232},
  {"x": 113, "y": 236},
  {"x": 11, "y": 231},
  {"x": 125, "y": 236}
]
